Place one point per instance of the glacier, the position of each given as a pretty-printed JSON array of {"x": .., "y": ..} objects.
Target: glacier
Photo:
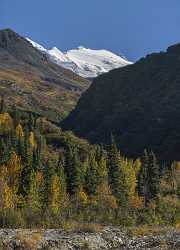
[{"x": 85, "y": 62}]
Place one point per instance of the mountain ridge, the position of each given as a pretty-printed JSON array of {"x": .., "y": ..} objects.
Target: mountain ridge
[
  {"x": 31, "y": 81},
  {"x": 85, "y": 62},
  {"x": 138, "y": 104}
]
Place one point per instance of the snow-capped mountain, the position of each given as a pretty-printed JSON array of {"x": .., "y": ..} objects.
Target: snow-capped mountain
[{"x": 85, "y": 62}]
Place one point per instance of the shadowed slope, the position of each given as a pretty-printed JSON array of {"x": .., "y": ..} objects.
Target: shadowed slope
[{"x": 139, "y": 104}]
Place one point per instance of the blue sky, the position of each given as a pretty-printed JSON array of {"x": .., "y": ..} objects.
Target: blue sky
[{"x": 131, "y": 27}]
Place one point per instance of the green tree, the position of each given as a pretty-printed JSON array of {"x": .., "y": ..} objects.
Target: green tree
[
  {"x": 154, "y": 176},
  {"x": 2, "y": 105},
  {"x": 113, "y": 169},
  {"x": 35, "y": 195},
  {"x": 149, "y": 177},
  {"x": 76, "y": 175},
  {"x": 92, "y": 176}
]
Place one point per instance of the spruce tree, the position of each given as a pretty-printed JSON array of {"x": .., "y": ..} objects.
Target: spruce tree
[
  {"x": 113, "y": 169},
  {"x": 48, "y": 172},
  {"x": 149, "y": 177},
  {"x": 68, "y": 166},
  {"x": 34, "y": 197},
  {"x": 76, "y": 175},
  {"x": 143, "y": 177},
  {"x": 16, "y": 116},
  {"x": 27, "y": 159},
  {"x": 31, "y": 122},
  {"x": 154, "y": 176},
  {"x": 92, "y": 176},
  {"x": 2, "y": 105},
  {"x": 61, "y": 173}
]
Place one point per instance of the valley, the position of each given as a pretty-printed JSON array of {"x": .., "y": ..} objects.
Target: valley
[{"x": 88, "y": 162}]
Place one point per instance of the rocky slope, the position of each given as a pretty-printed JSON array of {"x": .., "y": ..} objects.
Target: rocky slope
[
  {"x": 85, "y": 62},
  {"x": 108, "y": 238},
  {"x": 139, "y": 104},
  {"x": 31, "y": 81}
]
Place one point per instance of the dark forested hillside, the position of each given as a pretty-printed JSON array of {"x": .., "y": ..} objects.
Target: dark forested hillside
[
  {"x": 139, "y": 104},
  {"x": 29, "y": 80}
]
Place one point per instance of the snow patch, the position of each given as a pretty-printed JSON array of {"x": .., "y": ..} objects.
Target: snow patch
[{"x": 85, "y": 62}]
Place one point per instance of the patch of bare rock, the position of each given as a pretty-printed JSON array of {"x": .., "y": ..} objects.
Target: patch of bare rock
[{"x": 107, "y": 238}]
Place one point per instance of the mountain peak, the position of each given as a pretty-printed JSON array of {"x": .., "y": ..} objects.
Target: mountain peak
[
  {"x": 8, "y": 31},
  {"x": 55, "y": 49},
  {"x": 85, "y": 62},
  {"x": 81, "y": 48}
]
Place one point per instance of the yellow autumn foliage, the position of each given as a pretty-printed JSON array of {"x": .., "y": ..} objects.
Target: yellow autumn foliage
[
  {"x": 136, "y": 202},
  {"x": 8, "y": 197},
  {"x": 19, "y": 131},
  {"x": 6, "y": 123},
  {"x": 14, "y": 169},
  {"x": 83, "y": 197},
  {"x": 32, "y": 140},
  {"x": 55, "y": 201},
  {"x": 105, "y": 197},
  {"x": 9, "y": 182},
  {"x": 137, "y": 165},
  {"x": 6, "y": 194},
  {"x": 129, "y": 176}
]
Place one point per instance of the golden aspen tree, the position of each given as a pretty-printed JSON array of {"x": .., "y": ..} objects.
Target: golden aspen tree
[
  {"x": 19, "y": 132},
  {"x": 8, "y": 197},
  {"x": 136, "y": 201},
  {"x": 137, "y": 166},
  {"x": 6, "y": 194},
  {"x": 82, "y": 197},
  {"x": 14, "y": 169},
  {"x": 105, "y": 198},
  {"x": 6, "y": 123},
  {"x": 32, "y": 139},
  {"x": 11, "y": 173},
  {"x": 55, "y": 194}
]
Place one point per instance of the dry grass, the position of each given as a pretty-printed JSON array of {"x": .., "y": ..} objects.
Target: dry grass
[
  {"x": 82, "y": 227},
  {"x": 27, "y": 90},
  {"x": 146, "y": 230}
]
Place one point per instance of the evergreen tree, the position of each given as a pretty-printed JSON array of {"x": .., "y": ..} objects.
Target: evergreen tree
[
  {"x": 154, "y": 176},
  {"x": 2, "y": 105},
  {"x": 49, "y": 171},
  {"x": 102, "y": 166},
  {"x": 149, "y": 177},
  {"x": 31, "y": 122},
  {"x": 16, "y": 116},
  {"x": 143, "y": 177},
  {"x": 68, "y": 168},
  {"x": 113, "y": 169},
  {"x": 40, "y": 151},
  {"x": 76, "y": 175},
  {"x": 92, "y": 176},
  {"x": 35, "y": 195},
  {"x": 27, "y": 158}
]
